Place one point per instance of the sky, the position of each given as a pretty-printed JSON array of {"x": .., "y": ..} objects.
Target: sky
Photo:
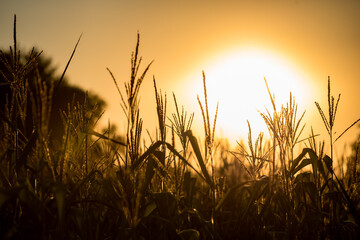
[{"x": 294, "y": 44}]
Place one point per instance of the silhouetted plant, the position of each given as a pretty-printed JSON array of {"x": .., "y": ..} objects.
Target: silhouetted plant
[{"x": 94, "y": 185}]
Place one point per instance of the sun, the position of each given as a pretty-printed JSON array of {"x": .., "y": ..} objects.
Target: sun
[{"x": 236, "y": 80}]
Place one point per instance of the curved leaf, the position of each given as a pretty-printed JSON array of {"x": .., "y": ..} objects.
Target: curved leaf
[
  {"x": 189, "y": 234},
  {"x": 199, "y": 157}
]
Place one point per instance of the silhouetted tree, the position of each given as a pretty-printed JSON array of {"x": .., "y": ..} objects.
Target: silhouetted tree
[{"x": 36, "y": 68}]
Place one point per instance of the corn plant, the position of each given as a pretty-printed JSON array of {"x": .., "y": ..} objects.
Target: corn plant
[{"x": 91, "y": 184}]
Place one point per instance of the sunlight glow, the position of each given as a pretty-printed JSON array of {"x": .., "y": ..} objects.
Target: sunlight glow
[{"x": 236, "y": 80}]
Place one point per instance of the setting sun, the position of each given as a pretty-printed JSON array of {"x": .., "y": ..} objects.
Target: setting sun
[{"x": 236, "y": 80}]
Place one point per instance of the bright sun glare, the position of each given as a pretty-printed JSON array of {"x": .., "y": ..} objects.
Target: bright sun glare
[{"x": 236, "y": 80}]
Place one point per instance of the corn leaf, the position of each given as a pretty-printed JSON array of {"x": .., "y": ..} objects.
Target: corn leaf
[{"x": 199, "y": 157}]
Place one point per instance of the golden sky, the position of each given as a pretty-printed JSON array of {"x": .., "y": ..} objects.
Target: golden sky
[{"x": 310, "y": 39}]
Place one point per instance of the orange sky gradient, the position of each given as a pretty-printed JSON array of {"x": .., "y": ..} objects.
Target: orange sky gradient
[{"x": 316, "y": 39}]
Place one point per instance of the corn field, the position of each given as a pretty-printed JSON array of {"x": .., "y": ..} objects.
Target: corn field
[{"x": 87, "y": 184}]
